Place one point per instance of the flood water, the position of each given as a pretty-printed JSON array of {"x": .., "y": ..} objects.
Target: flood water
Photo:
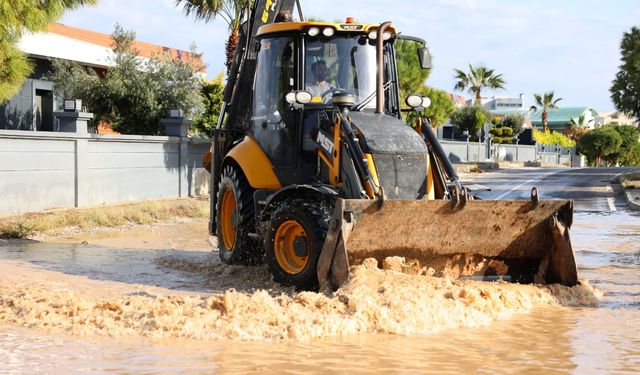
[{"x": 157, "y": 300}]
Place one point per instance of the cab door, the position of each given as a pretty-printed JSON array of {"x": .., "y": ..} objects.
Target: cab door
[{"x": 274, "y": 121}]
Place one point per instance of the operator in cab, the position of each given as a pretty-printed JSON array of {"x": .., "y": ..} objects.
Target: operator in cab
[{"x": 319, "y": 87}]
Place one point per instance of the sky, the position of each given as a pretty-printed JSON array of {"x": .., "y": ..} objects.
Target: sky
[{"x": 570, "y": 47}]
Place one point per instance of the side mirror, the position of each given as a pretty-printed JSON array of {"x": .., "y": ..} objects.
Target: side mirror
[{"x": 425, "y": 57}]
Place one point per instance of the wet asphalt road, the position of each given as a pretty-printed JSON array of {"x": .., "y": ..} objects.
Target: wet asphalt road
[
  {"x": 592, "y": 189},
  {"x": 605, "y": 233},
  {"x": 602, "y": 339}
]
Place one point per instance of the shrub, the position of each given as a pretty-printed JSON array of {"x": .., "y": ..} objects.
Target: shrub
[
  {"x": 515, "y": 122},
  {"x": 553, "y": 138},
  {"x": 211, "y": 93},
  {"x": 470, "y": 118}
]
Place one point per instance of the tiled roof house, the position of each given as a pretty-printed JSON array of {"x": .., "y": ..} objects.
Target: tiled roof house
[{"x": 32, "y": 108}]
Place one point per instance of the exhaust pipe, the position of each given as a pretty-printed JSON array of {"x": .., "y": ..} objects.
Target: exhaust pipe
[{"x": 380, "y": 66}]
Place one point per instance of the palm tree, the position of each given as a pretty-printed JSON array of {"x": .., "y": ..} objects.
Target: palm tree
[
  {"x": 477, "y": 79},
  {"x": 229, "y": 10},
  {"x": 547, "y": 102}
]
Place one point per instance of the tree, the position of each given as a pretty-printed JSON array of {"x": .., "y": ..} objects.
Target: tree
[
  {"x": 18, "y": 17},
  {"x": 470, "y": 118},
  {"x": 477, "y": 79},
  {"x": 582, "y": 122},
  {"x": 547, "y": 102},
  {"x": 578, "y": 128},
  {"x": 412, "y": 79},
  {"x": 625, "y": 88},
  {"x": 211, "y": 93},
  {"x": 600, "y": 144},
  {"x": 575, "y": 132},
  {"x": 628, "y": 151},
  {"x": 515, "y": 121},
  {"x": 134, "y": 94},
  {"x": 441, "y": 108},
  {"x": 229, "y": 10},
  {"x": 411, "y": 75}
]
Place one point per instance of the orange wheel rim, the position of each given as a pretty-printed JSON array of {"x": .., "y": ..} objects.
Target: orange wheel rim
[
  {"x": 227, "y": 219},
  {"x": 287, "y": 235}
]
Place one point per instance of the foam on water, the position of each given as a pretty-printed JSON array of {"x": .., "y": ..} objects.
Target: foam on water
[{"x": 373, "y": 301}]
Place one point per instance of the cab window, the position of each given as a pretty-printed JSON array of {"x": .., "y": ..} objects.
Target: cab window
[{"x": 273, "y": 124}]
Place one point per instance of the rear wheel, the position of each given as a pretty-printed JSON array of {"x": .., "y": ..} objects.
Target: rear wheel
[
  {"x": 235, "y": 219},
  {"x": 293, "y": 242}
]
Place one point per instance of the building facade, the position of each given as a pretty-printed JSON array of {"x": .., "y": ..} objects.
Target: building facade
[
  {"x": 615, "y": 118},
  {"x": 500, "y": 102},
  {"x": 34, "y": 106},
  {"x": 558, "y": 119}
]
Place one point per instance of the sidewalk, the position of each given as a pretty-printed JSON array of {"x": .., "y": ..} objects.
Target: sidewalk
[
  {"x": 630, "y": 183},
  {"x": 633, "y": 198},
  {"x": 486, "y": 166}
]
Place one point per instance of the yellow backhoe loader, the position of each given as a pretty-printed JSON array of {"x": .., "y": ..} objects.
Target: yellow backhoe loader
[{"x": 314, "y": 170}]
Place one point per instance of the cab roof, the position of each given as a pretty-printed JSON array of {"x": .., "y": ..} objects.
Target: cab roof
[{"x": 279, "y": 27}]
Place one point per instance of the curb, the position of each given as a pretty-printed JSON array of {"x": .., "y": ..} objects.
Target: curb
[
  {"x": 633, "y": 199},
  {"x": 467, "y": 166}
]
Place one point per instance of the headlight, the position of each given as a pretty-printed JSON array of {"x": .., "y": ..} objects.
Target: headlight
[
  {"x": 290, "y": 97},
  {"x": 328, "y": 31},
  {"x": 426, "y": 102},
  {"x": 373, "y": 34},
  {"x": 313, "y": 31},
  {"x": 303, "y": 97},
  {"x": 413, "y": 101},
  {"x": 386, "y": 35}
]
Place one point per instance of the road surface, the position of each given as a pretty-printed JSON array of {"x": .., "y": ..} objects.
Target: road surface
[{"x": 592, "y": 189}]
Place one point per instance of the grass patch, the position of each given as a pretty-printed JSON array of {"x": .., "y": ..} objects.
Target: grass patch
[
  {"x": 147, "y": 212},
  {"x": 630, "y": 180}
]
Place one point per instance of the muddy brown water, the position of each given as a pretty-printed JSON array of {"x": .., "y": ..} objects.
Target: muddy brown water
[{"x": 156, "y": 299}]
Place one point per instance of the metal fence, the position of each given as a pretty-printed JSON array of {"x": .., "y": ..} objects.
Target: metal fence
[{"x": 461, "y": 151}]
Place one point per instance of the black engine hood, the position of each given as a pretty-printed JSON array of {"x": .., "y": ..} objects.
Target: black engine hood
[{"x": 386, "y": 134}]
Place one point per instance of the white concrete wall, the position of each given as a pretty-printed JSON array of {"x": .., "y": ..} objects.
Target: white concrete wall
[
  {"x": 465, "y": 151},
  {"x": 516, "y": 152},
  {"x": 42, "y": 170},
  {"x": 36, "y": 174}
]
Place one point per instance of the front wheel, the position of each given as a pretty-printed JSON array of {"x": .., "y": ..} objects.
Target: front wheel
[
  {"x": 293, "y": 243},
  {"x": 235, "y": 219}
]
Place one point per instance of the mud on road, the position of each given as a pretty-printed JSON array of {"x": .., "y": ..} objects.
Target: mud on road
[{"x": 165, "y": 280}]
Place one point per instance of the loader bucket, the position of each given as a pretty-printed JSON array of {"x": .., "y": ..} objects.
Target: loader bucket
[{"x": 520, "y": 241}]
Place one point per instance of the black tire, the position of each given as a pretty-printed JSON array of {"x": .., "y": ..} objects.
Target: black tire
[
  {"x": 235, "y": 220},
  {"x": 313, "y": 218}
]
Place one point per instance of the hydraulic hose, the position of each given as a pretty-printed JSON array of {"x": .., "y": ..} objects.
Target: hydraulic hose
[{"x": 441, "y": 154}]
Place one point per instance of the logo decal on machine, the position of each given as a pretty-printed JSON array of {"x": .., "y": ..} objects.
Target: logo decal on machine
[
  {"x": 325, "y": 142},
  {"x": 265, "y": 14}
]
